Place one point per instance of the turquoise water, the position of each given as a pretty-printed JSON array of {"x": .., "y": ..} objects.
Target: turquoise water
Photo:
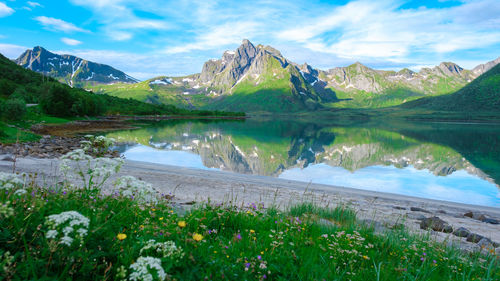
[{"x": 452, "y": 162}]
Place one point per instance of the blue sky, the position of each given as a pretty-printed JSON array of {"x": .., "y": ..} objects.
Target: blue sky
[{"x": 146, "y": 38}]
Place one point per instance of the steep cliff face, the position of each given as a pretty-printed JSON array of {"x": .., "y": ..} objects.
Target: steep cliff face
[{"x": 70, "y": 69}]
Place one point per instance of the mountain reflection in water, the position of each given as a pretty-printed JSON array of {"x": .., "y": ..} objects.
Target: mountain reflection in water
[{"x": 454, "y": 162}]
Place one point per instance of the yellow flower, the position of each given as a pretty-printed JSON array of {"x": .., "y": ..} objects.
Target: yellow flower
[
  {"x": 197, "y": 237},
  {"x": 121, "y": 236},
  {"x": 366, "y": 258},
  {"x": 181, "y": 224},
  {"x": 161, "y": 218},
  {"x": 252, "y": 231}
]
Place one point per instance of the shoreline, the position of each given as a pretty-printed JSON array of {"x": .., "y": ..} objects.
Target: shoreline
[{"x": 387, "y": 210}]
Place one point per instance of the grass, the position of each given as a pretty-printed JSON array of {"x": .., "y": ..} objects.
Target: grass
[
  {"x": 14, "y": 134},
  {"x": 214, "y": 242}
]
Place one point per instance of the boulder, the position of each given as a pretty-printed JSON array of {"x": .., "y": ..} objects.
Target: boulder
[
  {"x": 461, "y": 232},
  {"x": 417, "y": 209},
  {"x": 491, "y": 221},
  {"x": 475, "y": 215},
  {"x": 474, "y": 238},
  {"x": 437, "y": 224}
]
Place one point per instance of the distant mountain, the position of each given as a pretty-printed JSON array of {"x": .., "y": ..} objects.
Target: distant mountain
[
  {"x": 71, "y": 70},
  {"x": 258, "y": 78},
  {"x": 482, "y": 94}
]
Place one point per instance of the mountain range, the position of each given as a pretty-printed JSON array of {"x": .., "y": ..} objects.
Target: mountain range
[
  {"x": 71, "y": 70},
  {"x": 259, "y": 78}
]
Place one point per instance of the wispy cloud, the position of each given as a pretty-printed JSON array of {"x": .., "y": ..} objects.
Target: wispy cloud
[
  {"x": 381, "y": 29},
  {"x": 123, "y": 23},
  {"x": 34, "y": 4},
  {"x": 5, "y": 10},
  {"x": 11, "y": 51},
  {"x": 221, "y": 35},
  {"x": 58, "y": 24},
  {"x": 71, "y": 42}
]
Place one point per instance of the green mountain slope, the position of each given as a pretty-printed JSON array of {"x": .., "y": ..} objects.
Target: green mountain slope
[
  {"x": 482, "y": 94},
  {"x": 260, "y": 79},
  {"x": 56, "y": 99}
]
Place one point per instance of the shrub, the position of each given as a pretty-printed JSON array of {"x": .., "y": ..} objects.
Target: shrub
[{"x": 14, "y": 109}]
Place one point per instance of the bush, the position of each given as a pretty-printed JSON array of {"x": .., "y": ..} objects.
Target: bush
[{"x": 14, "y": 109}]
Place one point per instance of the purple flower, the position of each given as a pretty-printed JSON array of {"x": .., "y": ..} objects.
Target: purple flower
[
  {"x": 264, "y": 276},
  {"x": 422, "y": 259},
  {"x": 238, "y": 236},
  {"x": 259, "y": 257},
  {"x": 434, "y": 261},
  {"x": 425, "y": 254},
  {"x": 247, "y": 265}
]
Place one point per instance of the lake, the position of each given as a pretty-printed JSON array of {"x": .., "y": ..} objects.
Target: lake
[{"x": 446, "y": 161}]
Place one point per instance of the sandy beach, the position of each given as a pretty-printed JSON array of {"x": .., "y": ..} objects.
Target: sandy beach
[{"x": 194, "y": 185}]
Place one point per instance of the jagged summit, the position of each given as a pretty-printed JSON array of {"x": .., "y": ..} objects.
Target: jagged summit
[{"x": 70, "y": 69}]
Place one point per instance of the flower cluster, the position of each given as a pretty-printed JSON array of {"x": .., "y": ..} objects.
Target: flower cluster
[
  {"x": 136, "y": 189},
  {"x": 65, "y": 224},
  {"x": 97, "y": 145},
  {"x": 141, "y": 269},
  {"x": 347, "y": 249},
  {"x": 164, "y": 249},
  {"x": 9, "y": 181},
  {"x": 93, "y": 172},
  {"x": 5, "y": 210}
]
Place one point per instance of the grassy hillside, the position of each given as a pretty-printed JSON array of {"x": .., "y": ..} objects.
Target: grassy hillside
[
  {"x": 56, "y": 99},
  {"x": 482, "y": 94}
]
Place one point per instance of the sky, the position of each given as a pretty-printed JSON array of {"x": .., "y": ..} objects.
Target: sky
[{"x": 147, "y": 38}]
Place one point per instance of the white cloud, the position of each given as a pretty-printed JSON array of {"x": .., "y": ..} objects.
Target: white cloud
[
  {"x": 71, "y": 42},
  {"x": 221, "y": 35},
  {"x": 11, "y": 51},
  {"x": 5, "y": 10},
  {"x": 123, "y": 23},
  {"x": 58, "y": 24},
  {"x": 34, "y": 4},
  {"x": 379, "y": 29}
]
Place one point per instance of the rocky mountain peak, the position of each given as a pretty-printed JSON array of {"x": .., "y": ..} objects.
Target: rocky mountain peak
[
  {"x": 450, "y": 68},
  {"x": 482, "y": 68},
  {"x": 70, "y": 69}
]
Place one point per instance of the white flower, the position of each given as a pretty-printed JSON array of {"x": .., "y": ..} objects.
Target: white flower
[
  {"x": 66, "y": 223},
  {"x": 51, "y": 234},
  {"x": 166, "y": 249},
  {"x": 9, "y": 181},
  {"x": 66, "y": 240},
  {"x": 92, "y": 172},
  {"x": 20, "y": 192},
  {"x": 5, "y": 210},
  {"x": 142, "y": 267},
  {"x": 137, "y": 189}
]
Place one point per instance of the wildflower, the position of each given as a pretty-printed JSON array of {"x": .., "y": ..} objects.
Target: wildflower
[
  {"x": 9, "y": 181},
  {"x": 137, "y": 189},
  {"x": 165, "y": 249},
  {"x": 197, "y": 237},
  {"x": 238, "y": 236},
  {"x": 161, "y": 218},
  {"x": 252, "y": 231},
  {"x": 5, "y": 210},
  {"x": 121, "y": 236},
  {"x": 181, "y": 224},
  {"x": 67, "y": 223},
  {"x": 20, "y": 192},
  {"x": 141, "y": 269},
  {"x": 366, "y": 258}
]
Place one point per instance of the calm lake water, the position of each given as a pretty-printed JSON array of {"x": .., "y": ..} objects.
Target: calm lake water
[{"x": 453, "y": 162}]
